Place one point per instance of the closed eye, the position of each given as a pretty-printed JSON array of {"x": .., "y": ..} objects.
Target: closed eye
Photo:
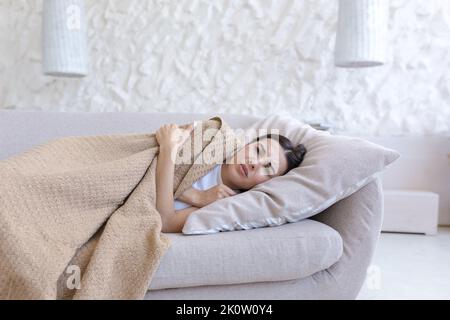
[
  {"x": 269, "y": 169},
  {"x": 258, "y": 147}
]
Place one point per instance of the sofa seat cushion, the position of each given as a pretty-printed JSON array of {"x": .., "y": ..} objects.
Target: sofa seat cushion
[{"x": 291, "y": 251}]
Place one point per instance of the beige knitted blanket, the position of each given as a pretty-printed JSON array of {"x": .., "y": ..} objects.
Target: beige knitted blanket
[{"x": 78, "y": 217}]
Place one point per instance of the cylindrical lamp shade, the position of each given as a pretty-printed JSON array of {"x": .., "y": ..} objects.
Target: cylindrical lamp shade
[
  {"x": 361, "y": 33},
  {"x": 64, "y": 38}
]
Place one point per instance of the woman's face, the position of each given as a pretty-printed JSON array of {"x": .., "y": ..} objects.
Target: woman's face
[{"x": 255, "y": 163}]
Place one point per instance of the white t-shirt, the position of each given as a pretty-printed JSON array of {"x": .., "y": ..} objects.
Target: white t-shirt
[{"x": 209, "y": 180}]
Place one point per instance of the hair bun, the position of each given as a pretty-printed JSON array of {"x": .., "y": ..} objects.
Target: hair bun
[{"x": 299, "y": 151}]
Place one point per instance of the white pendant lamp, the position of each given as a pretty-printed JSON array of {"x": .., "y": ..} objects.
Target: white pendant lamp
[
  {"x": 361, "y": 33},
  {"x": 64, "y": 38}
]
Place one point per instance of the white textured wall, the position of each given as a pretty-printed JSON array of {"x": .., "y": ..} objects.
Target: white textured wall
[{"x": 243, "y": 56}]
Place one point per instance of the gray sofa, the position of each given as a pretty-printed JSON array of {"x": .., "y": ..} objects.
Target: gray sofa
[{"x": 325, "y": 257}]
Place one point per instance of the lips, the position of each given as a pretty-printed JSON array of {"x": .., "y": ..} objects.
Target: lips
[{"x": 244, "y": 170}]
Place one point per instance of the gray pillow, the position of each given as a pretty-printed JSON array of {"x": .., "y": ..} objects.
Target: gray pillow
[{"x": 333, "y": 168}]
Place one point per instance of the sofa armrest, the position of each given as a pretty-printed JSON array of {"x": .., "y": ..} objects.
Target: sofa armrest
[{"x": 358, "y": 220}]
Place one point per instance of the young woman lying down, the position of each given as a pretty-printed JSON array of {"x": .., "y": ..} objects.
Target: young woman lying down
[{"x": 265, "y": 157}]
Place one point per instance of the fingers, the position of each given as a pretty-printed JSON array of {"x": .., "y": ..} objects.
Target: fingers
[
  {"x": 227, "y": 191},
  {"x": 222, "y": 194},
  {"x": 230, "y": 191},
  {"x": 185, "y": 129},
  {"x": 189, "y": 126},
  {"x": 217, "y": 192}
]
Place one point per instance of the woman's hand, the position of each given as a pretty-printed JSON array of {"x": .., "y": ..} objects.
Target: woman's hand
[
  {"x": 215, "y": 193},
  {"x": 170, "y": 137}
]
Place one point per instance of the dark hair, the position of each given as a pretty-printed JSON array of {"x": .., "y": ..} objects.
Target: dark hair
[{"x": 294, "y": 155}]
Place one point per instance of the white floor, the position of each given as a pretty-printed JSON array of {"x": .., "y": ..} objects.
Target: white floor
[{"x": 409, "y": 266}]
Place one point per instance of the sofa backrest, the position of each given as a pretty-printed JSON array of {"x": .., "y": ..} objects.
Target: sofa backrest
[{"x": 20, "y": 130}]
